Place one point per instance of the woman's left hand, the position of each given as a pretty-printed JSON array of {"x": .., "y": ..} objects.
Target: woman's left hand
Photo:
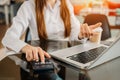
[{"x": 87, "y": 31}]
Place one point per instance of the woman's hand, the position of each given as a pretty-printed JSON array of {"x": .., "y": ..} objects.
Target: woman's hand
[
  {"x": 87, "y": 31},
  {"x": 33, "y": 53}
]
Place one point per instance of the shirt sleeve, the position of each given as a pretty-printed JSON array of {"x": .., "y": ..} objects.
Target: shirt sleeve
[
  {"x": 75, "y": 23},
  {"x": 20, "y": 23}
]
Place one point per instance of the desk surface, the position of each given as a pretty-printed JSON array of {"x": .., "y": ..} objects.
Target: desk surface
[
  {"x": 56, "y": 43},
  {"x": 53, "y": 45}
]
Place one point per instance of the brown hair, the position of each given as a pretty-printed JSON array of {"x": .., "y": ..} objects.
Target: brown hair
[{"x": 64, "y": 13}]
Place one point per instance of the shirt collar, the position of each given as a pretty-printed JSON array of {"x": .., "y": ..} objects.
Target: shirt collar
[{"x": 57, "y": 4}]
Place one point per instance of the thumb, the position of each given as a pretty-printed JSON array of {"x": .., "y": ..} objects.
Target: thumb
[{"x": 96, "y": 25}]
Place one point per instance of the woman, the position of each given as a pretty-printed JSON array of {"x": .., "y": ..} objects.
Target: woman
[{"x": 46, "y": 19}]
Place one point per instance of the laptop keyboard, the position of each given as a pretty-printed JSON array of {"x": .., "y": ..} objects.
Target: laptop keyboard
[{"x": 87, "y": 56}]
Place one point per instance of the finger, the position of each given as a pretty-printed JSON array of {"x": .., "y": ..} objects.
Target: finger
[
  {"x": 35, "y": 54},
  {"x": 29, "y": 56},
  {"x": 96, "y": 25},
  {"x": 46, "y": 54},
  {"x": 86, "y": 30},
  {"x": 41, "y": 54},
  {"x": 82, "y": 30},
  {"x": 80, "y": 34},
  {"x": 89, "y": 31}
]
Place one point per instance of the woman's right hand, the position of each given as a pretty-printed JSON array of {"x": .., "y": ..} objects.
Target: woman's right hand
[{"x": 34, "y": 53}]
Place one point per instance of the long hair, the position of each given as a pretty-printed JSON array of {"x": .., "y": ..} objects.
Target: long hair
[{"x": 64, "y": 13}]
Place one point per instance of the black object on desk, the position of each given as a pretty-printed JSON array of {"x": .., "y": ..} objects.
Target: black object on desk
[
  {"x": 39, "y": 67},
  {"x": 42, "y": 71}
]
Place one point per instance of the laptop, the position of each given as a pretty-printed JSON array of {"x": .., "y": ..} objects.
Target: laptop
[{"x": 88, "y": 55}]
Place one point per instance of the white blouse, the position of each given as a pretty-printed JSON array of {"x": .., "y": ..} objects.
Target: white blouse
[{"x": 26, "y": 17}]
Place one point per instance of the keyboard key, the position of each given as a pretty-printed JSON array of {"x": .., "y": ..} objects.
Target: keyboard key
[{"x": 87, "y": 56}]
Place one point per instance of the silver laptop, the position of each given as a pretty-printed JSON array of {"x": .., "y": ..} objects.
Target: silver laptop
[{"x": 88, "y": 55}]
